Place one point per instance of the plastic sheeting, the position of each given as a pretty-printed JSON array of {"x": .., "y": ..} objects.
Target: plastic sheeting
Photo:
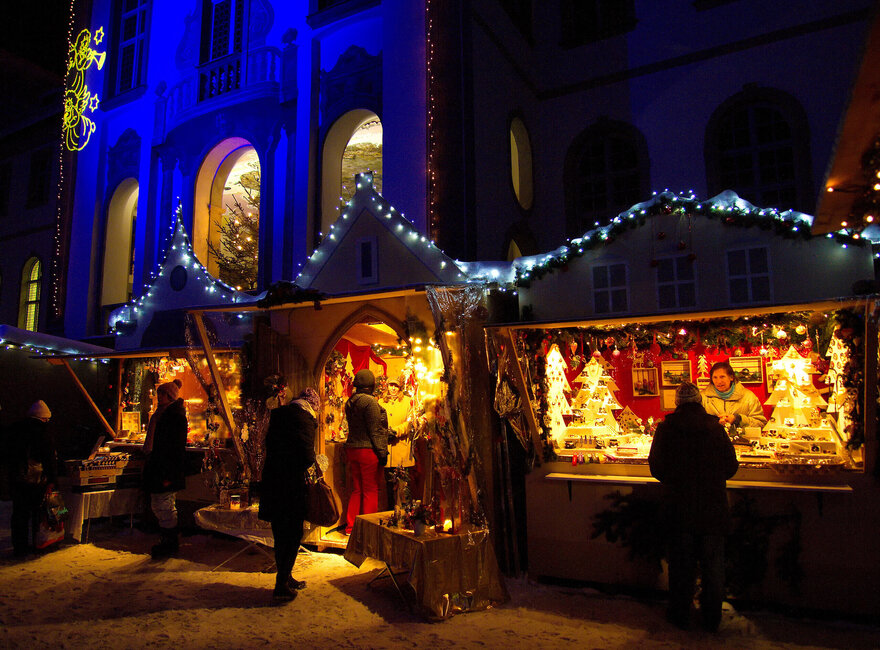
[
  {"x": 449, "y": 573},
  {"x": 243, "y": 523}
]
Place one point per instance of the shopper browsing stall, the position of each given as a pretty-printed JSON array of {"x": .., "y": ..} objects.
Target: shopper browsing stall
[
  {"x": 693, "y": 457},
  {"x": 290, "y": 451},
  {"x": 33, "y": 470},
  {"x": 165, "y": 447},
  {"x": 730, "y": 401},
  {"x": 366, "y": 449}
]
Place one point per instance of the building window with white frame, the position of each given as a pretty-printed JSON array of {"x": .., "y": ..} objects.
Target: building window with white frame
[
  {"x": 610, "y": 288},
  {"x": 130, "y": 18},
  {"x": 748, "y": 275},
  {"x": 676, "y": 287},
  {"x": 31, "y": 279}
]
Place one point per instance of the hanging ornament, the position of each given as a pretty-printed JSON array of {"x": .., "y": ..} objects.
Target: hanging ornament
[
  {"x": 609, "y": 341},
  {"x": 801, "y": 329},
  {"x": 616, "y": 352},
  {"x": 808, "y": 344},
  {"x": 781, "y": 334}
]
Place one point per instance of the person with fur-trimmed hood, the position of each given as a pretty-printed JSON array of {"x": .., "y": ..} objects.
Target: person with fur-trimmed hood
[
  {"x": 290, "y": 451},
  {"x": 366, "y": 449},
  {"x": 165, "y": 448}
]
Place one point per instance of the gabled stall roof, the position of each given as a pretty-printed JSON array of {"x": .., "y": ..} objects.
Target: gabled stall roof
[
  {"x": 156, "y": 318},
  {"x": 372, "y": 247}
]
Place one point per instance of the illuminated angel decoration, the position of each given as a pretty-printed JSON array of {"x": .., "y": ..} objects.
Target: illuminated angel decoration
[{"x": 78, "y": 99}]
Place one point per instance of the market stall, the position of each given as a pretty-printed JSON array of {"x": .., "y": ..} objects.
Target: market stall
[{"x": 590, "y": 394}]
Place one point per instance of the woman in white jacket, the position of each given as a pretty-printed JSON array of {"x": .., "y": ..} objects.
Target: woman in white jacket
[{"x": 730, "y": 400}]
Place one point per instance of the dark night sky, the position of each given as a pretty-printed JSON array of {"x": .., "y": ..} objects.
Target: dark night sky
[{"x": 37, "y": 30}]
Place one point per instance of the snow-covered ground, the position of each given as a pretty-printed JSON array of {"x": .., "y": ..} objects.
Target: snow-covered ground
[{"x": 108, "y": 593}]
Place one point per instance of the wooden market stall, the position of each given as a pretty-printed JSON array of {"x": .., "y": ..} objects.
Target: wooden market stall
[{"x": 597, "y": 389}]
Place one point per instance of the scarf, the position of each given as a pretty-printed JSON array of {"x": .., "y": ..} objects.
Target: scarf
[{"x": 726, "y": 394}]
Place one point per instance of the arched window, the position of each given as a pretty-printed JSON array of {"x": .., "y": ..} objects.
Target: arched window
[
  {"x": 118, "y": 277},
  {"x": 226, "y": 223},
  {"x": 353, "y": 144},
  {"x": 606, "y": 172},
  {"x": 29, "y": 306},
  {"x": 521, "y": 163},
  {"x": 757, "y": 144}
]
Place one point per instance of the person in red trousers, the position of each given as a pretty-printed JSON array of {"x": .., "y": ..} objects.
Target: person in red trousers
[{"x": 366, "y": 449}]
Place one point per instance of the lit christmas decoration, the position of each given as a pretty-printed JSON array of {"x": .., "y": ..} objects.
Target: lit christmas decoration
[{"x": 78, "y": 99}]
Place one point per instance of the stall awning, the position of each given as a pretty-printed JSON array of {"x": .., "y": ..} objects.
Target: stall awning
[{"x": 54, "y": 344}]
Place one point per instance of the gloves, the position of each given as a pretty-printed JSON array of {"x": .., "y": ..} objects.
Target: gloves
[{"x": 382, "y": 456}]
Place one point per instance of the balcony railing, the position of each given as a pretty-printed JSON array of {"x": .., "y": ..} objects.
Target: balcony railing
[{"x": 222, "y": 78}]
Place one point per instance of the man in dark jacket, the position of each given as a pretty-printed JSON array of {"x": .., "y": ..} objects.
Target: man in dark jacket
[
  {"x": 165, "y": 447},
  {"x": 290, "y": 451},
  {"x": 33, "y": 471},
  {"x": 693, "y": 457},
  {"x": 366, "y": 448}
]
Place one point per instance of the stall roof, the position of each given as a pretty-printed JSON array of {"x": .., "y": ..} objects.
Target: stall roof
[
  {"x": 156, "y": 318},
  {"x": 823, "y": 305},
  {"x": 56, "y": 344}
]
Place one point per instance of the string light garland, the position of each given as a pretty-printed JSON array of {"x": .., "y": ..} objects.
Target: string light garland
[
  {"x": 727, "y": 207},
  {"x": 75, "y": 128},
  {"x": 367, "y": 199},
  {"x": 179, "y": 254},
  {"x": 430, "y": 37}
]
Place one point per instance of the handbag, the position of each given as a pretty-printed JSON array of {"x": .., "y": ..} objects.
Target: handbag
[
  {"x": 55, "y": 510},
  {"x": 323, "y": 507},
  {"x": 48, "y": 534}
]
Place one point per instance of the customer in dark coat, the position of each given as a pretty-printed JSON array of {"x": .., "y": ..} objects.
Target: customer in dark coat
[
  {"x": 693, "y": 457},
  {"x": 165, "y": 448},
  {"x": 33, "y": 470},
  {"x": 290, "y": 451},
  {"x": 366, "y": 448}
]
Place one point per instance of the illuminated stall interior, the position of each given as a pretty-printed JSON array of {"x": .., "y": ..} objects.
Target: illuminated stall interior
[{"x": 601, "y": 387}]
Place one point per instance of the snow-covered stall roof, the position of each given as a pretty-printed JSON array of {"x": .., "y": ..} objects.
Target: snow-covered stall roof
[
  {"x": 373, "y": 247},
  {"x": 157, "y": 317}
]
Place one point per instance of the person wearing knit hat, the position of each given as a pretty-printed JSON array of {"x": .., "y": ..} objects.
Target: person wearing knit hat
[
  {"x": 33, "y": 463},
  {"x": 163, "y": 476},
  {"x": 39, "y": 410},
  {"x": 692, "y": 457},
  {"x": 687, "y": 392},
  {"x": 290, "y": 451},
  {"x": 366, "y": 449}
]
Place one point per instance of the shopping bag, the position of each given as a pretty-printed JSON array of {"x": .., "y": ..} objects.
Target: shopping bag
[
  {"x": 48, "y": 534},
  {"x": 323, "y": 508},
  {"x": 54, "y": 508}
]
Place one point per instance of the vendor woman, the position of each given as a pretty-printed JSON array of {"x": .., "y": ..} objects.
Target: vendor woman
[{"x": 730, "y": 400}]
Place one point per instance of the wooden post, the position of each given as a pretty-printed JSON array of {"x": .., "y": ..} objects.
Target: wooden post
[
  {"x": 226, "y": 411},
  {"x": 872, "y": 446},
  {"x": 89, "y": 399},
  {"x": 520, "y": 380}
]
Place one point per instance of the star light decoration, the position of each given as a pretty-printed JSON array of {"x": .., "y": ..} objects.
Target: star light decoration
[
  {"x": 726, "y": 206},
  {"x": 179, "y": 253},
  {"x": 366, "y": 198}
]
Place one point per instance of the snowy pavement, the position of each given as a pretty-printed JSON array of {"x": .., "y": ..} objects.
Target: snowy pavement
[{"x": 108, "y": 593}]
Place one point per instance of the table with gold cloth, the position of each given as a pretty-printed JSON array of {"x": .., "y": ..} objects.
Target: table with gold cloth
[{"x": 449, "y": 573}]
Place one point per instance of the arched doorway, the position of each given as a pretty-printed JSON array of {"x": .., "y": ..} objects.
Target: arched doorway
[
  {"x": 353, "y": 144},
  {"x": 117, "y": 279},
  {"x": 226, "y": 221},
  {"x": 407, "y": 373}
]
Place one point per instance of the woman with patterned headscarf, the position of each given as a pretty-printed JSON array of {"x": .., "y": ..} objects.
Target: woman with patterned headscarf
[{"x": 290, "y": 451}]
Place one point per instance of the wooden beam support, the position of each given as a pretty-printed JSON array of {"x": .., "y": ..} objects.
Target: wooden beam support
[
  {"x": 225, "y": 411},
  {"x": 89, "y": 399}
]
